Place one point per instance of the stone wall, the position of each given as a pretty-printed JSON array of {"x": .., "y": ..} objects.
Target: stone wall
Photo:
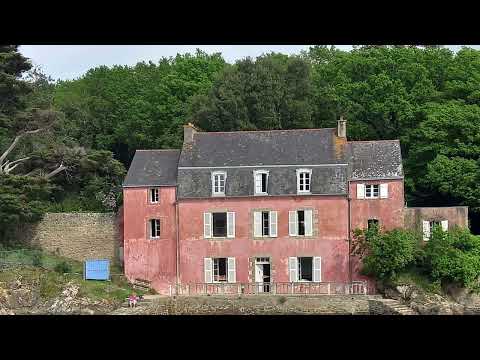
[
  {"x": 456, "y": 215},
  {"x": 79, "y": 236},
  {"x": 258, "y": 304}
]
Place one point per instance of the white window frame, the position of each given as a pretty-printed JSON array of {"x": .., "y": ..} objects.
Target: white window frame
[
  {"x": 219, "y": 173},
  {"x": 157, "y": 229},
  {"x": 255, "y": 189},
  {"x": 304, "y": 171},
  {"x": 208, "y": 232},
  {"x": 294, "y": 267},
  {"x": 258, "y": 224},
  {"x": 154, "y": 199},
  {"x": 230, "y": 270},
  {"x": 293, "y": 222},
  {"x": 371, "y": 186}
]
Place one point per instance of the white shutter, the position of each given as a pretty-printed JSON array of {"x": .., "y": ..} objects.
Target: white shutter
[
  {"x": 231, "y": 276},
  {"x": 293, "y": 269},
  {"x": 426, "y": 230},
  {"x": 383, "y": 191},
  {"x": 207, "y": 265},
  {"x": 445, "y": 225},
  {"x": 230, "y": 224},
  {"x": 292, "y": 223},
  {"x": 317, "y": 269},
  {"x": 308, "y": 223},
  {"x": 207, "y": 225},
  {"x": 258, "y": 183},
  {"x": 273, "y": 224},
  {"x": 257, "y": 224},
  {"x": 360, "y": 191}
]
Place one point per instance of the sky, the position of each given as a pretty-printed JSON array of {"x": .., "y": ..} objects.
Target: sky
[{"x": 68, "y": 62}]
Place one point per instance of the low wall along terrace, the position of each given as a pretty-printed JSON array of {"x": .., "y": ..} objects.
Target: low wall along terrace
[{"x": 79, "y": 236}]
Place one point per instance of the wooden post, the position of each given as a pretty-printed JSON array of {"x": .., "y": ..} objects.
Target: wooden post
[{"x": 328, "y": 287}]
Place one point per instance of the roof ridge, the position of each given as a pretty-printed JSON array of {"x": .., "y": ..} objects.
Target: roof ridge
[
  {"x": 257, "y": 131},
  {"x": 382, "y": 140},
  {"x": 158, "y": 150}
]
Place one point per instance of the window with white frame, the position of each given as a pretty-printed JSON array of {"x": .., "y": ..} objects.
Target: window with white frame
[
  {"x": 154, "y": 225},
  {"x": 305, "y": 269},
  {"x": 261, "y": 182},
  {"x": 218, "y": 225},
  {"x": 428, "y": 227},
  {"x": 220, "y": 270},
  {"x": 264, "y": 223},
  {"x": 300, "y": 222},
  {"x": 154, "y": 196},
  {"x": 219, "y": 179},
  {"x": 304, "y": 177},
  {"x": 372, "y": 191}
]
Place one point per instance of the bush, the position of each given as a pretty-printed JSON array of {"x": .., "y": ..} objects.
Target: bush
[
  {"x": 385, "y": 254},
  {"x": 63, "y": 268},
  {"x": 37, "y": 259},
  {"x": 453, "y": 256}
]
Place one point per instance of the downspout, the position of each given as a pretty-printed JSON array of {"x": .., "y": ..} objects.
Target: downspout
[
  {"x": 349, "y": 199},
  {"x": 177, "y": 262}
]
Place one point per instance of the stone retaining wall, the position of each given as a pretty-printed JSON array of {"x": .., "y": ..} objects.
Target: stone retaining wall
[
  {"x": 79, "y": 236},
  {"x": 262, "y": 304}
]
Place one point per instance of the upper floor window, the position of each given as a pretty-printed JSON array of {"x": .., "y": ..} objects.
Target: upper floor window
[
  {"x": 300, "y": 223},
  {"x": 219, "y": 225},
  {"x": 304, "y": 177},
  {"x": 372, "y": 191},
  {"x": 154, "y": 228},
  {"x": 218, "y": 182},
  {"x": 154, "y": 196},
  {"x": 261, "y": 181},
  {"x": 264, "y": 223}
]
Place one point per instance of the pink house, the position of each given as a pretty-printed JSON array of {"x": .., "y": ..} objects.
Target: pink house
[{"x": 257, "y": 211}]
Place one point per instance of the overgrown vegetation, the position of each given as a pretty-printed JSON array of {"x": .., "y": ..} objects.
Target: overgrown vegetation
[{"x": 449, "y": 257}]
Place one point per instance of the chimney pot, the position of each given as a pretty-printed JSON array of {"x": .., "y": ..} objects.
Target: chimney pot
[{"x": 342, "y": 128}]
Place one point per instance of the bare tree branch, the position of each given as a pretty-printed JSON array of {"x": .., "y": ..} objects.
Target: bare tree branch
[
  {"x": 60, "y": 168},
  {"x": 9, "y": 165}
]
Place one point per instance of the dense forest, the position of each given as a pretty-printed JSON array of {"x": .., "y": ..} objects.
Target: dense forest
[{"x": 65, "y": 145}]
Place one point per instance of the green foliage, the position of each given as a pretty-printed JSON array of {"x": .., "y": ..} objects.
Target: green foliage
[
  {"x": 63, "y": 268},
  {"x": 453, "y": 256},
  {"x": 385, "y": 254},
  {"x": 37, "y": 258}
]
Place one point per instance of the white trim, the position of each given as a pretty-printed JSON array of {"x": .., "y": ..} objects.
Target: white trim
[
  {"x": 317, "y": 270},
  {"x": 230, "y": 224},
  {"x": 384, "y": 191},
  {"x": 293, "y": 269},
  {"x": 426, "y": 230},
  {"x": 372, "y": 192},
  {"x": 254, "y": 166},
  {"x": 273, "y": 223},
  {"x": 157, "y": 192},
  {"x": 293, "y": 223},
  {"x": 208, "y": 270},
  {"x": 444, "y": 224},
  {"x": 257, "y": 224},
  {"x": 308, "y": 222},
  {"x": 231, "y": 270},
  {"x": 207, "y": 225},
  {"x": 152, "y": 236},
  {"x": 360, "y": 191}
]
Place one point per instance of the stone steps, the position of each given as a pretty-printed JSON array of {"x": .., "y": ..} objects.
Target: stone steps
[{"x": 391, "y": 307}]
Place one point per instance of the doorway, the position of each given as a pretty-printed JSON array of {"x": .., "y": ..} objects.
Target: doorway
[{"x": 262, "y": 274}]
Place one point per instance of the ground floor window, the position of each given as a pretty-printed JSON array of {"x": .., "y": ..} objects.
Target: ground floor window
[
  {"x": 305, "y": 268},
  {"x": 220, "y": 269},
  {"x": 373, "y": 223}
]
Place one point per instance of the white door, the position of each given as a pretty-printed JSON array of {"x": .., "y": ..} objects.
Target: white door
[{"x": 259, "y": 276}]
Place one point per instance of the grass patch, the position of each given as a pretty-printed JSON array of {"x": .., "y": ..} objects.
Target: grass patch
[{"x": 417, "y": 278}]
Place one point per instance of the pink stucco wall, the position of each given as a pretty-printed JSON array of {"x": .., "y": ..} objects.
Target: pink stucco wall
[
  {"x": 388, "y": 211},
  {"x": 152, "y": 260},
  {"x": 329, "y": 240}
]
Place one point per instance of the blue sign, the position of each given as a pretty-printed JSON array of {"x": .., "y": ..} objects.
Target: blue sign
[{"x": 96, "y": 270}]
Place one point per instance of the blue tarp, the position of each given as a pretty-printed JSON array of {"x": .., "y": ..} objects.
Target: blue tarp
[{"x": 96, "y": 269}]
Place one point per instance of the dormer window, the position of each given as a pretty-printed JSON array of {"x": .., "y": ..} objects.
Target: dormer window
[
  {"x": 218, "y": 183},
  {"x": 304, "y": 177},
  {"x": 261, "y": 181}
]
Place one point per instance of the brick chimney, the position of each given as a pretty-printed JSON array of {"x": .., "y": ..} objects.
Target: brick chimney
[
  {"x": 342, "y": 128},
  {"x": 188, "y": 131}
]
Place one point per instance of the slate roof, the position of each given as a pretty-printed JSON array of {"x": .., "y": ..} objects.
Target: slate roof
[
  {"x": 153, "y": 168},
  {"x": 375, "y": 159},
  {"x": 275, "y": 147},
  {"x": 333, "y": 162}
]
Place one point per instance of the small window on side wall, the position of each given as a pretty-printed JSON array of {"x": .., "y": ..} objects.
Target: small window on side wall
[
  {"x": 154, "y": 196},
  {"x": 154, "y": 225},
  {"x": 373, "y": 224}
]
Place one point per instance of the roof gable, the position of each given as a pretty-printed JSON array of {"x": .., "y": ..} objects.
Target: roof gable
[{"x": 153, "y": 168}]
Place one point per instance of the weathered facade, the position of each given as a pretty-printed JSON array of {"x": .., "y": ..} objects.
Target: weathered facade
[{"x": 259, "y": 207}]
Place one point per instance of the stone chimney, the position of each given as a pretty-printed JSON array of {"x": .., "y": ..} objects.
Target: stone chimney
[
  {"x": 188, "y": 131},
  {"x": 342, "y": 128}
]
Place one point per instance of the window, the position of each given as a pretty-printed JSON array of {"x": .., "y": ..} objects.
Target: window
[
  {"x": 372, "y": 191},
  {"x": 264, "y": 223},
  {"x": 154, "y": 228},
  {"x": 372, "y": 223},
  {"x": 218, "y": 182},
  {"x": 432, "y": 224},
  {"x": 300, "y": 222},
  {"x": 429, "y": 225},
  {"x": 305, "y": 269},
  {"x": 219, "y": 224},
  {"x": 303, "y": 180},
  {"x": 154, "y": 196},
  {"x": 261, "y": 181},
  {"x": 220, "y": 270}
]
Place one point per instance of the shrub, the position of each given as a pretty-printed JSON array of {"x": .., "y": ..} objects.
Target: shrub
[
  {"x": 282, "y": 300},
  {"x": 453, "y": 256},
  {"x": 37, "y": 259},
  {"x": 63, "y": 268},
  {"x": 386, "y": 254}
]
